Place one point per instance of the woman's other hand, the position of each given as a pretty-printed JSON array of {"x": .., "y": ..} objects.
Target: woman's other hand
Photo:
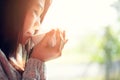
[{"x": 50, "y": 47}]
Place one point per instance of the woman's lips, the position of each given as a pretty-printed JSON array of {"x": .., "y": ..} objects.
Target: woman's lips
[{"x": 26, "y": 37}]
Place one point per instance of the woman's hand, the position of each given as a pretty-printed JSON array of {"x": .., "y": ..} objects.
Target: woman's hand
[{"x": 50, "y": 47}]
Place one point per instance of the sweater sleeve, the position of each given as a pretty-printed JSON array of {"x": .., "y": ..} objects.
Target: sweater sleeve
[
  {"x": 2, "y": 74},
  {"x": 34, "y": 70}
]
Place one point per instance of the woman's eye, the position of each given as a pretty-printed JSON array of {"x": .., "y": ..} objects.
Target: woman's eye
[{"x": 36, "y": 13}]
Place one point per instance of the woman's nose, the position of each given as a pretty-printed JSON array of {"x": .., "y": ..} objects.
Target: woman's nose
[
  {"x": 37, "y": 22},
  {"x": 37, "y": 25}
]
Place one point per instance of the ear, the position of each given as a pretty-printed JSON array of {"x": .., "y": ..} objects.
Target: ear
[{"x": 47, "y": 5}]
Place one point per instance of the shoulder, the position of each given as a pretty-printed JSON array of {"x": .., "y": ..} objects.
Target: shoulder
[
  {"x": 6, "y": 69},
  {"x": 2, "y": 72}
]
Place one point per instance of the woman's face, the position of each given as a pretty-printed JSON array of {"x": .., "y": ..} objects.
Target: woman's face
[{"x": 32, "y": 19}]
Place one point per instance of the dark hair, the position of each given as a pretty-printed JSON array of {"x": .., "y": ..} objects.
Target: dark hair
[{"x": 12, "y": 14}]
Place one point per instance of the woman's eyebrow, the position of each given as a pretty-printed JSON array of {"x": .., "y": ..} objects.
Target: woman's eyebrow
[{"x": 40, "y": 5}]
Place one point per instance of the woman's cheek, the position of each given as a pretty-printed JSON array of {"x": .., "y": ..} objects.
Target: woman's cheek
[{"x": 28, "y": 30}]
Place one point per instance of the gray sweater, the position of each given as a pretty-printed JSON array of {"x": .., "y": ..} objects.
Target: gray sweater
[{"x": 34, "y": 70}]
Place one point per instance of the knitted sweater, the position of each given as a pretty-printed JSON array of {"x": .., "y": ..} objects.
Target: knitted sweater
[{"x": 34, "y": 70}]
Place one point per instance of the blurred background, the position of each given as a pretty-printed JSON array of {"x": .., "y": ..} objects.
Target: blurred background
[{"x": 93, "y": 31}]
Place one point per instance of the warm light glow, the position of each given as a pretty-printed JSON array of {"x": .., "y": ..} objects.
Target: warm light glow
[{"x": 77, "y": 16}]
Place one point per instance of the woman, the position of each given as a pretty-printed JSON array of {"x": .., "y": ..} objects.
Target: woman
[{"x": 21, "y": 58}]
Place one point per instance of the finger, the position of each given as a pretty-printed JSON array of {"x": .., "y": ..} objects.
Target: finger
[
  {"x": 47, "y": 37},
  {"x": 64, "y": 34},
  {"x": 62, "y": 44},
  {"x": 61, "y": 35},
  {"x": 58, "y": 39},
  {"x": 62, "y": 40},
  {"x": 50, "y": 33}
]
